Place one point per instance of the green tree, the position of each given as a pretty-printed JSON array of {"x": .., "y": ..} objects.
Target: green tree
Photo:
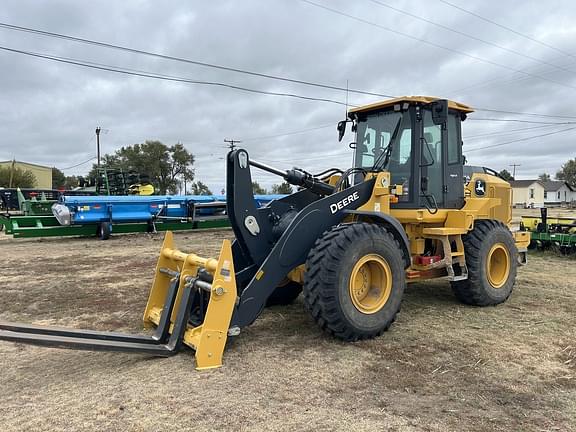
[
  {"x": 544, "y": 177},
  {"x": 58, "y": 178},
  {"x": 199, "y": 188},
  {"x": 568, "y": 173},
  {"x": 15, "y": 177},
  {"x": 257, "y": 189},
  {"x": 164, "y": 165},
  {"x": 283, "y": 188},
  {"x": 505, "y": 174},
  {"x": 71, "y": 182}
]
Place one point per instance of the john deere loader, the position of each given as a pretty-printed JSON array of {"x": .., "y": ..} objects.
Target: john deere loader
[{"x": 349, "y": 240}]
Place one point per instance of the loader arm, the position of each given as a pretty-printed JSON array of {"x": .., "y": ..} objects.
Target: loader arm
[{"x": 273, "y": 240}]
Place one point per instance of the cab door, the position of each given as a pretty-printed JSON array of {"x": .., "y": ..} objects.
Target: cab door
[
  {"x": 453, "y": 168},
  {"x": 431, "y": 167},
  {"x": 441, "y": 172}
]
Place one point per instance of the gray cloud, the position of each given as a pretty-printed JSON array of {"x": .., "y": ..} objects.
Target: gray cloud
[{"x": 49, "y": 110}]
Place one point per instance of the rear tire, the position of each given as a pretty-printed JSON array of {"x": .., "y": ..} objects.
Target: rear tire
[
  {"x": 284, "y": 294},
  {"x": 354, "y": 281},
  {"x": 492, "y": 260}
]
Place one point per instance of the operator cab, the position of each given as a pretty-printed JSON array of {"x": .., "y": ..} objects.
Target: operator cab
[{"x": 418, "y": 140}]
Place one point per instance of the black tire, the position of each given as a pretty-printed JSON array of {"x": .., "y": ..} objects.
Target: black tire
[
  {"x": 477, "y": 290},
  {"x": 104, "y": 230},
  {"x": 284, "y": 294},
  {"x": 327, "y": 289}
]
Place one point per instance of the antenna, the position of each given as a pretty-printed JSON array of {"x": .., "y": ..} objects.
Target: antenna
[{"x": 346, "y": 112}]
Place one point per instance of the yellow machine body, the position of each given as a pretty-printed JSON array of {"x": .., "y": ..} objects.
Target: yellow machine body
[{"x": 446, "y": 227}]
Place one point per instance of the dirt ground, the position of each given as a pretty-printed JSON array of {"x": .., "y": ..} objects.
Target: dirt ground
[{"x": 442, "y": 366}]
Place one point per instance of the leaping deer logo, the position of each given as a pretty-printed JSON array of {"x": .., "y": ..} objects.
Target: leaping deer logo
[{"x": 480, "y": 187}]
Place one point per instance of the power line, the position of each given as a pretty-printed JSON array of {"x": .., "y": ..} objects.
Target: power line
[
  {"x": 146, "y": 74},
  {"x": 507, "y": 28},
  {"x": 329, "y": 156},
  {"x": 512, "y": 78},
  {"x": 524, "y": 113},
  {"x": 184, "y": 60},
  {"x": 268, "y": 76},
  {"x": 520, "y": 139},
  {"x": 519, "y": 121},
  {"x": 135, "y": 72},
  {"x": 232, "y": 143},
  {"x": 469, "y": 36},
  {"x": 77, "y": 165},
  {"x": 507, "y": 132},
  {"x": 436, "y": 45},
  {"x": 288, "y": 133},
  {"x": 258, "y": 138}
]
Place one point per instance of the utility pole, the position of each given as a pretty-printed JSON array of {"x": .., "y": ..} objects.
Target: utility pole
[
  {"x": 514, "y": 169},
  {"x": 98, "y": 129},
  {"x": 232, "y": 143},
  {"x": 11, "y": 172}
]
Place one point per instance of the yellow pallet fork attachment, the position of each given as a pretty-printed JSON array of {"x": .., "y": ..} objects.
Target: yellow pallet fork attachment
[
  {"x": 191, "y": 303},
  {"x": 208, "y": 338}
]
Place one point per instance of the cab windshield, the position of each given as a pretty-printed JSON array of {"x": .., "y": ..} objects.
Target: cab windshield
[{"x": 375, "y": 132}]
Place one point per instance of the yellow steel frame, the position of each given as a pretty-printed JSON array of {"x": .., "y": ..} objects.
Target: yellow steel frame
[{"x": 446, "y": 226}]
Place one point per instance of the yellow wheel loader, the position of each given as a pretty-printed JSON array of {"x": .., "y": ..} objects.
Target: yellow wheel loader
[{"x": 350, "y": 240}]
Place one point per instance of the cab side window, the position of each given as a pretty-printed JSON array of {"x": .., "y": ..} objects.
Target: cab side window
[{"x": 453, "y": 140}]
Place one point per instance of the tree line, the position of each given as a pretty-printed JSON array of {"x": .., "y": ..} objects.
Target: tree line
[
  {"x": 566, "y": 173},
  {"x": 170, "y": 168}
]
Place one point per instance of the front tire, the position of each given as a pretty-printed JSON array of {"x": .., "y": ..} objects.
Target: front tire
[
  {"x": 492, "y": 260},
  {"x": 354, "y": 281}
]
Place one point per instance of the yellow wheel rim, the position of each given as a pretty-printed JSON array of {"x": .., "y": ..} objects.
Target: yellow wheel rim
[
  {"x": 370, "y": 283},
  {"x": 498, "y": 265}
]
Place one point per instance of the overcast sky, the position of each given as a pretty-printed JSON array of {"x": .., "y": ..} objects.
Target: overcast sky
[{"x": 48, "y": 110}]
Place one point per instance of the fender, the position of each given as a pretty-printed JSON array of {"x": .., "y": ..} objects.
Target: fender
[{"x": 393, "y": 225}]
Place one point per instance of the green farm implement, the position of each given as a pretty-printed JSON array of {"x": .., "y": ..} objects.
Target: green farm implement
[{"x": 553, "y": 233}]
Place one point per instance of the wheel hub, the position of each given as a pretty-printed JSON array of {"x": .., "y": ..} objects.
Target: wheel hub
[
  {"x": 498, "y": 265},
  {"x": 370, "y": 283}
]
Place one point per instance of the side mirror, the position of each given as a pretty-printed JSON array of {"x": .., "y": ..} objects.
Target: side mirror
[
  {"x": 440, "y": 111},
  {"x": 341, "y": 129}
]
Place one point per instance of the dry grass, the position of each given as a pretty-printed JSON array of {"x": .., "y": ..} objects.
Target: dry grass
[{"x": 442, "y": 366}]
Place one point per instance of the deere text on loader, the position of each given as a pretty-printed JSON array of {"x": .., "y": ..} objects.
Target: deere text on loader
[{"x": 350, "y": 240}]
